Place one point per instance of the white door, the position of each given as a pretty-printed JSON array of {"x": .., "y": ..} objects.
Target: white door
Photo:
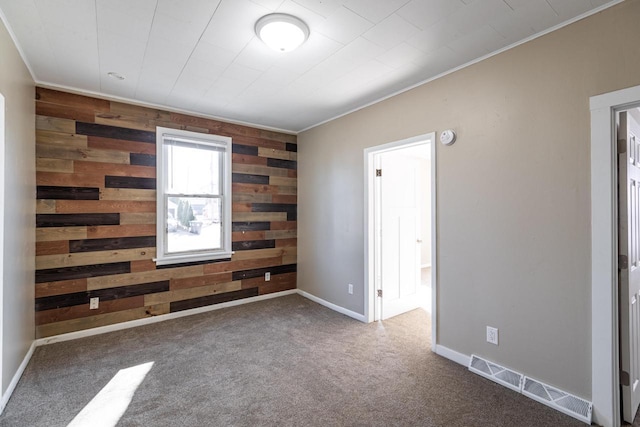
[
  {"x": 399, "y": 233},
  {"x": 629, "y": 262}
]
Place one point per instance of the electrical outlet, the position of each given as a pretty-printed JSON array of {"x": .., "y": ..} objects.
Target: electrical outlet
[
  {"x": 267, "y": 276},
  {"x": 492, "y": 335},
  {"x": 350, "y": 289},
  {"x": 93, "y": 303}
]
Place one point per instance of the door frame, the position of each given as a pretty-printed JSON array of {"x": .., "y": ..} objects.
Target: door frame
[
  {"x": 605, "y": 384},
  {"x": 369, "y": 254}
]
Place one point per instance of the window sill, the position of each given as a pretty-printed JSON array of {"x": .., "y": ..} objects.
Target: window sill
[{"x": 180, "y": 259}]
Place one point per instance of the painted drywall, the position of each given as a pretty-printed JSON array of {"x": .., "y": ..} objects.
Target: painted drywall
[
  {"x": 17, "y": 86},
  {"x": 513, "y": 195}
]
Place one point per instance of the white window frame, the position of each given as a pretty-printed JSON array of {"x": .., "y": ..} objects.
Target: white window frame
[{"x": 224, "y": 142}]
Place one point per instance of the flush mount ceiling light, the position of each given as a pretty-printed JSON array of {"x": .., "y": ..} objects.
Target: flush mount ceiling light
[{"x": 282, "y": 32}]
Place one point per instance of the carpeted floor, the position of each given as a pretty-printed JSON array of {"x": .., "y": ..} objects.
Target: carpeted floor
[{"x": 281, "y": 362}]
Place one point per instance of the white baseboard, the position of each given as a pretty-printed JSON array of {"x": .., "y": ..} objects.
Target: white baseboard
[
  {"x": 333, "y": 307},
  {"x": 16, "y": 377},
  {"x": 155, "y": 319},
  {"x": 453, "y": 355}
]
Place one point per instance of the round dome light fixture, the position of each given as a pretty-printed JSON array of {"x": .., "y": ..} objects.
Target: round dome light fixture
[{"x": 282, "y": 32}]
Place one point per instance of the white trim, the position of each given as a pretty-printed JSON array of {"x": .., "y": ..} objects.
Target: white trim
[
  {"x": 332, "y": 306},
  {"x": 434, "y": 245},
  {"x": 16, "y": 377},
  {"x": 470, "y": 63},
  {"x": 155, "y": 319},
  {"x": 453, "y": 355},
  {"x": 219, "y": 142},
  {"x": 604, "y": 229},
  {"x": 4, "y": 19},
  {"x": 369, "y": 276},
  {"x": 3, "y": 179}
]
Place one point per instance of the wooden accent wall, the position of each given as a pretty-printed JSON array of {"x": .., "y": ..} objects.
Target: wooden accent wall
[{"x": 96, "y": 215}]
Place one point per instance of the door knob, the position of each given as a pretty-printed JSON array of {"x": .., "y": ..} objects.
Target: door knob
[{"x": 419, "y": 240}]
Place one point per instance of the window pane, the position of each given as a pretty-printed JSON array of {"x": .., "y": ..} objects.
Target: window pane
[
  {"x": 193, "y": 169},
  {"x": 193, "y": 224}
]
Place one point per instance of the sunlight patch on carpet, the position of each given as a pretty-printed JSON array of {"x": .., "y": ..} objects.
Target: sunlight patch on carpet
[{"x": 108, "y": 406}]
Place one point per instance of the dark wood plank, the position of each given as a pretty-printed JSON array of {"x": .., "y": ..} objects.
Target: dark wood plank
[
  {"x": 67, "y": 193},
  {"x": 68, "y": 300},
  {"x": 244, "y": 149},
  {"x": 257, "y": 272},
  {"x": 82, "y": 272},
  {"x": 273, "y": 207},
  {"x": 129, "y": 182},
  {"x": 253, "y": 244},
  {"x": 250, "y": 226},
  {"x": 91, "y": 245},
  {"x": 191, "y": 264},
  {"x": 291, "y": 147},
  {"x": 83, "y": 310},
  {"x": 249, "y": 179},
  {"x": 285, "y": 164},
  {"x": 212, "y": 299},
  {"x": 72, "y": 220},
  {"x": 138, "y": 159},
  {"x": 105, "y": 131}
]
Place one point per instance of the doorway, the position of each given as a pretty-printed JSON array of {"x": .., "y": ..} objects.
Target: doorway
[
  {"x": 400, "y": 267},
  {"x": 2, "y": 207},
  {"x": 605, "y": 308}
]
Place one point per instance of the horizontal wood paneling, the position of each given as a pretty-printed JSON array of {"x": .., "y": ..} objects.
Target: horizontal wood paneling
[
  {"x": 213, "y": 299},
  {"x": 69, "y": 220},
  {"x": 67, "y": 193},
  {"x": 96, "y": 215}
]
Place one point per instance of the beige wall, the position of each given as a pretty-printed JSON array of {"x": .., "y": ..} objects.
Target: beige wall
[
  {"x": 18, "y": 169},
  {"x": 513, "y": 195}
]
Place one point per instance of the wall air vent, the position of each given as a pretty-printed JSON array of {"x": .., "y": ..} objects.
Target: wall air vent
[
  {"x": 497, "y": 373},
  {"x": 571, "y": 405},
  {"x": 566, "y": 403}
]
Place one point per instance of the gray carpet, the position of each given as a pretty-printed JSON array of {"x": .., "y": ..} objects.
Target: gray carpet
[{"x": 285, "y": 362}]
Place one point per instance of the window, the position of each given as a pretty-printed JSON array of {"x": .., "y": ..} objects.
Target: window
[{"x": 194, "y": 196}]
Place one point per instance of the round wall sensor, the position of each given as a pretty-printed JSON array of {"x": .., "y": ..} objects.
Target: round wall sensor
[{"x": 447, "y": 137}]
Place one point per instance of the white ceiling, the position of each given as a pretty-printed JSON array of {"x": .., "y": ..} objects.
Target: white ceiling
[{"x": 202, "y": 56}]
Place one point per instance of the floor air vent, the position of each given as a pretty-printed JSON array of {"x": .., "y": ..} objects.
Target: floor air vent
[
  {"x": 497, "y": 373},
  {"x": 564, "y": 402}
]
